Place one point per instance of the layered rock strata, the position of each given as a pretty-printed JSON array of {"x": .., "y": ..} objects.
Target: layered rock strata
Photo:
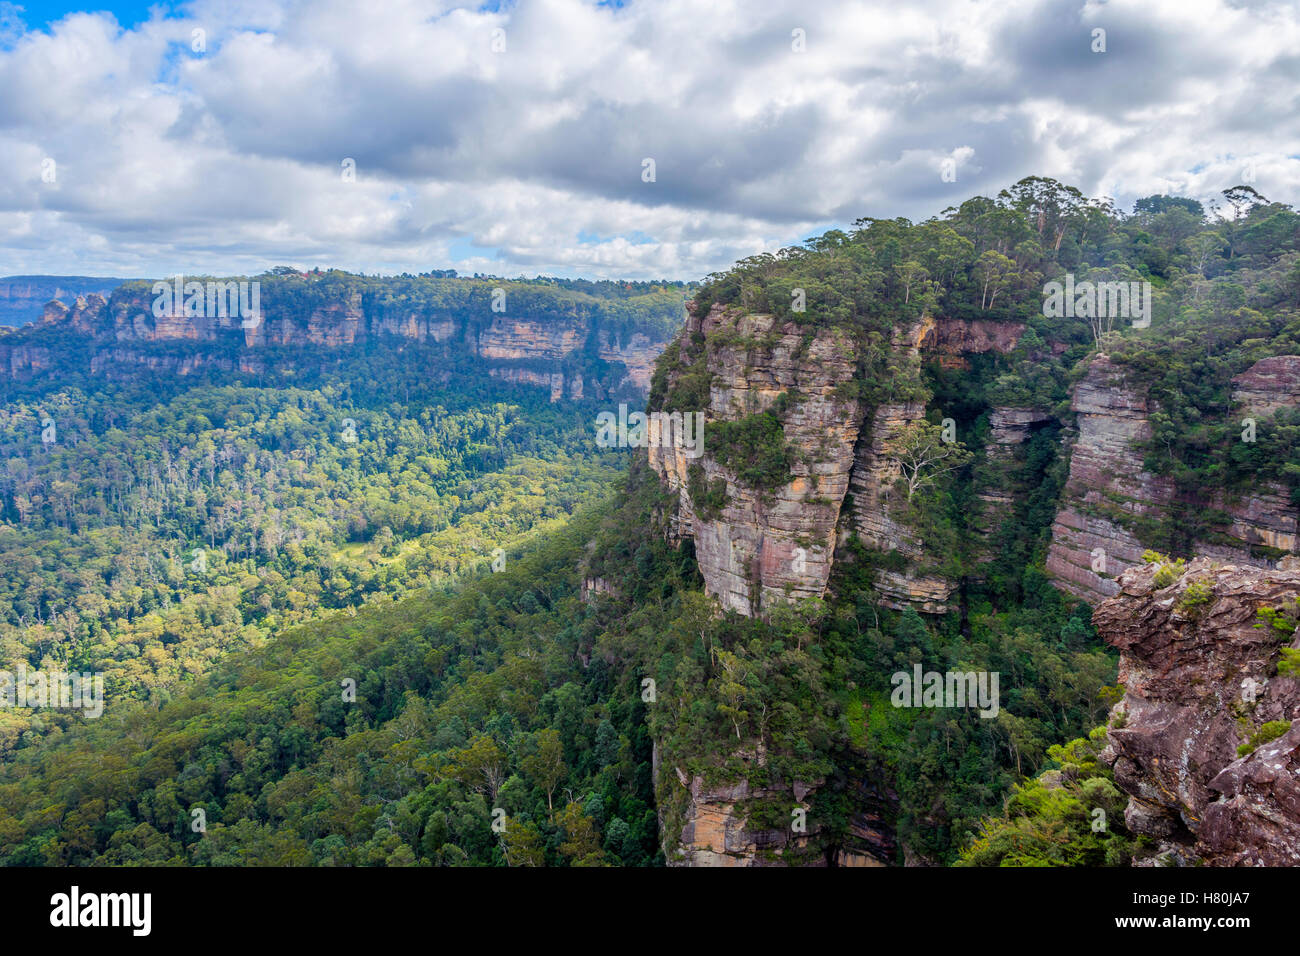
[
  {"x": 1201, "y": 680},
  {"x": 552, "y": 353},
  {"x": 1093, "y": 537}
]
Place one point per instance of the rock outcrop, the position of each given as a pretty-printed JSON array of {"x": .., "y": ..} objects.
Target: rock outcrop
[
  {"x": 1201, "y": 680},
  {"x": 995, "y": 482},
  {"x": 23, "y": 298},
  {"x": 763, "y": 546},
  {"x": 1109, "y": 491},
  {"x": 714, "y": 830},
  {"x": 1091, "y": 542},
  {"x": 1177, "y": 755},
  {"x": 558, "y": 353},
  {"x": 770, "y": 544},
  {"x": 1268, "y": 385},
  {"x": 951, "y": 340}
]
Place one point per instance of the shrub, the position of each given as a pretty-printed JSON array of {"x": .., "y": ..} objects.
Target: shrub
[
  {"x": 1198, "y": 594},
  {"x": 1168, "y": 570},
  {"x": 708, "y": 498},
  {"x": 753, "y": 448},
  {"x": 1266, "y": 734},
  {"x": 1283, "y": 620},
  {"x": 1289, "y": 665}
]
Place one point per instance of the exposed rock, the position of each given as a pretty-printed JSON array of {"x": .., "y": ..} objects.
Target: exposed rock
[
  {"x": 1010, "y": 428},
  {"x": 19, "y": 359},
  {"x": 877, "y": 507},
  {"x": 872, "y": 483},
  {"x": 764, "y": 547},
  {"x": 1268, "y": 385},
  {"x": 1199, "y": 679},
  {"x": 637, "y": 354},
  {"x": 995, "y": 482},
  {"x": 780, "y": 546},
  {"x": 514, "y": 338},
  {"x": 714, "y": 832},
  {"x": 24, "y": 298},
  {"x": 521, "y": 349},
  {"x": 953, "y": 339},
  {"x": 592, "y": 587},
  {"x": 1106, "y": 481},
  {"x": 1108, "y": 487}
]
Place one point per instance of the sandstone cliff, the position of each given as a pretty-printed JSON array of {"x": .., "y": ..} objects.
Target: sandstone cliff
[
  {"x": 766, "y": 545},
  {"x": 747, "y": 552},
  {"x": 1094, "y": 538},
  {"x": 1201, "y": 680},
  {"x": 759, "y": 546},
  {"x": 569, "y": 355},
  {"x": 714, "y": 830}
]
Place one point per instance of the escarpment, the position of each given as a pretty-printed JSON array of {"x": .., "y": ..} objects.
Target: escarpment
[
  {"x": 1097, "y": 534},
  {"x": 1205, "y": 741},
  {"x": 773, "y": 542},
  {"x": 801, "y": 491},
  {"x": 757, "y": 545},
  {"x": 823, "y": 405},
  {"x": 571, "y": 350},
  {"x": 23, "y": 298},
  {"x": 777, "y": 541}
]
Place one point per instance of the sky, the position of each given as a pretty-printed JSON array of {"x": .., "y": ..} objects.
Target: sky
[{"x": 641, "y": 139}]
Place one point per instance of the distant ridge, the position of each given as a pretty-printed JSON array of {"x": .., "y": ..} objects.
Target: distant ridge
[{"x": 23, "y": 297}]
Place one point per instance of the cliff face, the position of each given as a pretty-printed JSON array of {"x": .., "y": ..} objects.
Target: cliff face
[
  {"x": 747, "y": 553},
  {"x": 1009, "y": 429},
  {"x": 714, "y": 831},
  {"x": 764, "y": 546},
  {"x": 1200, "y": 680},
  {"x": 1093, "y": 540},
  {"x": 757, "y": 547},
  {"x": 951, "y": 340},
  {"x": 556, "y": 354},
  {"x": 780, "y": 545}
]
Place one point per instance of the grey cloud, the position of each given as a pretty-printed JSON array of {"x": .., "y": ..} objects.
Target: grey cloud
[{"x": 233, "y": 157}]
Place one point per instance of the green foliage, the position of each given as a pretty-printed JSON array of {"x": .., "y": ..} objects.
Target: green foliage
[
  {"x": 464, "y": 702},
  {"x": 173, "y": 523},
  {"x": 753, "y": 448},
  {"x": 1267, "y": 733},
  {"x": 1195, "y": 596},
  {"x": 1168, "y": 570},
  {"x": 707, "y": 497},
  {"x": 1289, "y": 664},
  {"x": 525, "y": 691},
  {"x": 1070, "y": 815},
  {"x": 1283, "y": 620}
]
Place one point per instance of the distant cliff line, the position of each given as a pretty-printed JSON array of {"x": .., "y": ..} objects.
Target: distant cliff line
[{"x": 573, "y": 337}]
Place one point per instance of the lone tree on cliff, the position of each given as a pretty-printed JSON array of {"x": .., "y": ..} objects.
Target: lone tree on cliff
[{"x": 922, "y": 455}]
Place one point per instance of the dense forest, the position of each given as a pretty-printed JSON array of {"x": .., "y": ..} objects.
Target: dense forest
[
  {"x": 279, "y": 708},
  {"x": 170, "y": 521},
  {"x": 617, "y": 307}
]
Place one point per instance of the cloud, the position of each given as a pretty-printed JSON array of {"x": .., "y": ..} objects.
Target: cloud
[{"x": 513, "y": 140}]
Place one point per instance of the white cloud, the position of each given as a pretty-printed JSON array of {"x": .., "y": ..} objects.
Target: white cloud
[{"x": 229, "y": 159}]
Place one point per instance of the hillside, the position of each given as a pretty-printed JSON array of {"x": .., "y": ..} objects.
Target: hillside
[
  {"x": 170, "y": 497},
  {"x": 912, "y": 462}
]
